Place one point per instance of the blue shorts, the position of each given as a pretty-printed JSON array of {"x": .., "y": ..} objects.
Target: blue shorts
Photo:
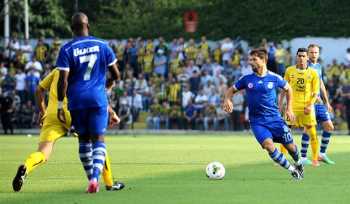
[
  {"x": 90, "y": 121},
  {"x": 322, "y": 114},
  {"x": 277, "y": 130}
]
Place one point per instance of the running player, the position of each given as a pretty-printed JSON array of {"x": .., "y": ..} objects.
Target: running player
[
  {"x": 265, "y": 119},
  {"x": 52, "y": 129}
]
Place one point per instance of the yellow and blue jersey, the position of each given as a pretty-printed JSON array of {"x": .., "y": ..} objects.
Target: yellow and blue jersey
[{"x": 86, "y": 58}]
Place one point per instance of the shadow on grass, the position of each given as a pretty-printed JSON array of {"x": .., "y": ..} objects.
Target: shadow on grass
[{"x": 251, "y": 183}]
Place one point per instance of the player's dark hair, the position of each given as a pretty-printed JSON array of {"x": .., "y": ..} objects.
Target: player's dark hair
[
  {"x": 79, "y": 20},
  {"x": 259, "y": 52},
  {"x": 302, "y": 49}
]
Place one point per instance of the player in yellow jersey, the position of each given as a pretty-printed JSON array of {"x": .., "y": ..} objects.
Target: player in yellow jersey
[
  {"x": 305, "y": 85},
  {"x": 52, "y": 129}
]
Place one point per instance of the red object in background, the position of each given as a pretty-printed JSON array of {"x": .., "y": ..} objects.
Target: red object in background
[{"x": 190, "y": 21}]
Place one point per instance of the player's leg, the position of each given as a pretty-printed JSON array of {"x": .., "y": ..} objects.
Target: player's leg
[
  {"x": 323, "y": 117},
  {"x": 283, "y": 150},
  {"x": 34, "y": 160},
  {"x": 50, "y": 132},
  {"x": 305, "y": 141},
  {"x": 326, "y": 135},
  {"x": 85, "y": 154},
  {"x": 79, "y": 121},
  {"x": 264, "y": 137},
  {"x": 107, "y": 172},
  {"x": 37, "y": 158},
  {"x": 299, "y": 122},
  {"x": 281, "y": 133},
  {"x": 294, "y": 153},
  {"x": 108, "y": 178},
  {"x": 311, "y": 130},
  {"x": 97, "y": 120},
  {"x": 279, "y": 158}
]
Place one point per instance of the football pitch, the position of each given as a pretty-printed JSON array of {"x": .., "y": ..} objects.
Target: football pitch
[{"x": 170, "y": 169}]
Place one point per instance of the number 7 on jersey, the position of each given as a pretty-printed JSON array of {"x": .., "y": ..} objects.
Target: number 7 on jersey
[{"x": 91, "y": 59}]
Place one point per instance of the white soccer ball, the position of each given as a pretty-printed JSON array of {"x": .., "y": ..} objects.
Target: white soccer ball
[{"x": 215, "y": 170}]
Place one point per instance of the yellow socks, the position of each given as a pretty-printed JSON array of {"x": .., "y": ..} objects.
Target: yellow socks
[
  {"x": 283, "y": 150},
  {"x": 314, "y": 142},
  {"x": 107, "y": 172},
  {"x": 34, "y": 160}
]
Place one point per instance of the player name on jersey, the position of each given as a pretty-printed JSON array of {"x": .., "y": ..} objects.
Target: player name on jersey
[{"x": 83, "y": 51}]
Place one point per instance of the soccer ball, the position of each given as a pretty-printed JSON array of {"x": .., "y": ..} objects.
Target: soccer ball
[{"x": 215, "y": 170}]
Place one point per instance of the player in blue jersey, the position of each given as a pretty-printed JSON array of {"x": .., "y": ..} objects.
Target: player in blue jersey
[
  {"x": 322, "y": 110},
  {"x": 83, "y": 63},
  {"x": 264, "y": 117}
]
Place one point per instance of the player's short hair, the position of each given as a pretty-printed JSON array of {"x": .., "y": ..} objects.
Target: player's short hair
[
  {"x": 302, "y": 49},
  {"x": 78, "y": 21},
  {"x": 313, "y": 45},
  {"x": 259, "y": 52}
]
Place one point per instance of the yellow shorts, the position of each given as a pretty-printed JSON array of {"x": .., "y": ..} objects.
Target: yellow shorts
[
  {"x": 302, "y": 120},
  {"x": 53, "y": 129}
]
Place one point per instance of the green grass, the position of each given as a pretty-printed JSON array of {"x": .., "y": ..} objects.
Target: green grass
[{"x": 170, "y": 169}]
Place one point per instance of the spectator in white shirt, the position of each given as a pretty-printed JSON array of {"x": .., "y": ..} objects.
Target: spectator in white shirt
[
  {"x": 27, "y": 50},
  {"x": 21, "y": 85},
  {"x": 226, "y": 50},
  {"x": 35, "y": 65},
  {"x": 187, "y": 96},
  {"x": 200, "y": 100},
  {"x": 136, "y": 104},
  {"x": 13, "y": 46}
]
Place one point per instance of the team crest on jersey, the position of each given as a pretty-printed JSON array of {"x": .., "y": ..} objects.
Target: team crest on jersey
[
  {"x": 270, "y": 85},
  {"x": 285, "y": 128},
  {"x": 250, "y": 85}
]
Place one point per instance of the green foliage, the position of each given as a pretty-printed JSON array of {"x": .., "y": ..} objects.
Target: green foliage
[
  {"x": 46, "y": 17},
  {"x": 249, "y": 19}
]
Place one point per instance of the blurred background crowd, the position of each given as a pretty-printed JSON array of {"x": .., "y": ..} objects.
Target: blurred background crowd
[{"x": 175, "y": 84}]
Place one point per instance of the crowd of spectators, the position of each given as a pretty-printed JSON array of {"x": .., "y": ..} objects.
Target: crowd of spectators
[{"x": 165, "y": 85}]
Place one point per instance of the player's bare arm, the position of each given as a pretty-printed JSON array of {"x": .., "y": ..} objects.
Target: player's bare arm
[
  {"x": 289, "y": 110},
  {"x": 114, "y": 118},
  {"x": 324, "y": 96},
  {"x": 40, "y": 98},
  {"x": 228, "y": 105},
  {"x": 61, "y": 93},
  {"x": 114, "y": 71}
]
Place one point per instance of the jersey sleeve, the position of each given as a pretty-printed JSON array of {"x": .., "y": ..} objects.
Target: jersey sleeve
[
  {"x": 281, "y": 83},
  {"x": 286, "y": 75},
  {"x": 240, "y": 84},
  {"x": 46, "y": 82},
  {"x": 62, "y": 62},
  {"x": 110, "y": 56}
]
